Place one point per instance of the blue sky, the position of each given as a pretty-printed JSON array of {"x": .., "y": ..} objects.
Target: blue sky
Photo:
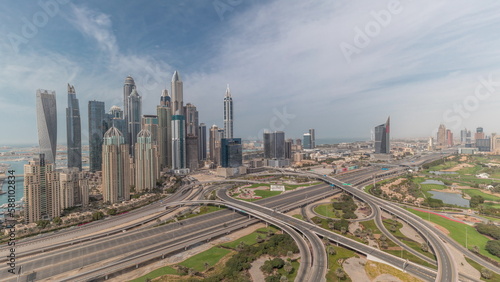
[{"x": 341, "y": 67}]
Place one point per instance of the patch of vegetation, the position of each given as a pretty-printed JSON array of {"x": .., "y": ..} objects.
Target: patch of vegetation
[
  {"x": 457, "y": 232},
  {"x": 493, "y": 246},
  {"x": 347, "y": 206},
  {"x": 489, "y": 230},
  {"x": 328, "y": 211},
  {"x": 480, "y": 268},
  {"x": 485, "y": 196},
  {"x": 335, "y": 261},
  {"x": 278, "y": 245},
  {"x": 210, "y": 256}
]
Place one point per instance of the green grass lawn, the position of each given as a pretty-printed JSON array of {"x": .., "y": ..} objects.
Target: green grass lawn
[
  {"x": 210, "y": 256},
  {"x": 299, "y": 216},
  {"x": 249, "y": 239},
  {"x": 446, "y": 165},
  {"x": 477, "y": 192},
  {"x": 333, "y": 263},
  {"x": 470, "y": 170},
  {"x": 458, "y": 231},
  {"x": 295, "y": 186},
  {"x": 327, "y": 210},
  {"x": 266, "y": 193},
  {"x": 371, "y": 224},
  {"x": 492, "y": 205},
  {"x": 156, "y": 273}
]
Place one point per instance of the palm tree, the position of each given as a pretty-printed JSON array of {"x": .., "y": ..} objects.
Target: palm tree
[
  {"x": 339, "y": 272},
  {"x": 343, "y": 230}
]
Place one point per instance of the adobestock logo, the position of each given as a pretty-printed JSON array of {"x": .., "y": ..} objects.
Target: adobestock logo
[
  {"x": 460, "y": 111},
  {"x": 363, "y": 37},
  {"x": 31, "y": 26}
]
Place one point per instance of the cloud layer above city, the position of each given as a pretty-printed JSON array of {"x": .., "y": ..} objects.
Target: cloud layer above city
[{"x": 340, "y": 67}]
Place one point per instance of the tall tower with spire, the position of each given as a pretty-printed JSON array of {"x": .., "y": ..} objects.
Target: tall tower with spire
[
  {"x": 177, "y": 95},
  {"x": 228, "y": 114},
  {"x": 73, "y": 130}
]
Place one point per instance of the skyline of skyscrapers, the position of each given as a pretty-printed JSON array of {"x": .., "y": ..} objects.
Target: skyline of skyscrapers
[
  {"x": 73, "y": 130},
  {"x": 46, "y": 113}
]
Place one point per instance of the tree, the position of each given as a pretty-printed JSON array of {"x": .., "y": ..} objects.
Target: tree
[
  {"x": 475, "y": 249},
  {"x": 240, "y": 246},
  {"x": 42, "y": 223},
  {"x": 339, "y": 272},
  {"x": 97, "y": 215},
  {"x": 343, "y": 230},
  {"x": 207, "y": 266},
  {"x": 331, "y": 250},
  {"x": 486, "y": 273},
  {"x": 424, "y": 247},
  {"x": 283, "y": 278},
  {"x": 57, "y": 220},
  {"x": 289, "y": 254},
  {"x": 493, "y": 246},
  {"x": 288, "y": 267},
  {"x": 259, "y": 239},
  {"x": 326, "y": 241}
]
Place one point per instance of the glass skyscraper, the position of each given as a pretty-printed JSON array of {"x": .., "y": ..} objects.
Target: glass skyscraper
[
  {"x": 46, "y": 116},
  {"x": 382, "y": 137},
  {"x": 274, "y": 145},
  {"x": 73, "y": 130},
  {"x": 98, "y": 125},
  {"x": 231, "y": 152},
  {"x": 178, "y": 142}
]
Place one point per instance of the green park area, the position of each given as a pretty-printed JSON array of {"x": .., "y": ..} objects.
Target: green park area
[
  {"x": 460, "y": 232},
  {"x": 209, "y": 257}
]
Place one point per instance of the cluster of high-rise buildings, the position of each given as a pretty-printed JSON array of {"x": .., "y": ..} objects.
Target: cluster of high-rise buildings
[
  {"x": 129, "y": 150},
  {"x": 478, "y": 141}
]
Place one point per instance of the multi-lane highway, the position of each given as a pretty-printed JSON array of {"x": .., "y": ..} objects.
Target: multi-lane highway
[{"x": 152, "y": 241}]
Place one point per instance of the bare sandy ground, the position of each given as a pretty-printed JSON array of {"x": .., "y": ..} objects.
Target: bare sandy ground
[
  {"x": 355, "y": 268},
  {"x": 255, "y": 271},
  {"x": 458, "y": 167},
  {"x": 185, "y": 255},
  {"x": 409, "y": 232}
]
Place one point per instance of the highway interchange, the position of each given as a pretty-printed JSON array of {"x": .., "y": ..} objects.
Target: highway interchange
[{"x": 125, "y": 243}]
